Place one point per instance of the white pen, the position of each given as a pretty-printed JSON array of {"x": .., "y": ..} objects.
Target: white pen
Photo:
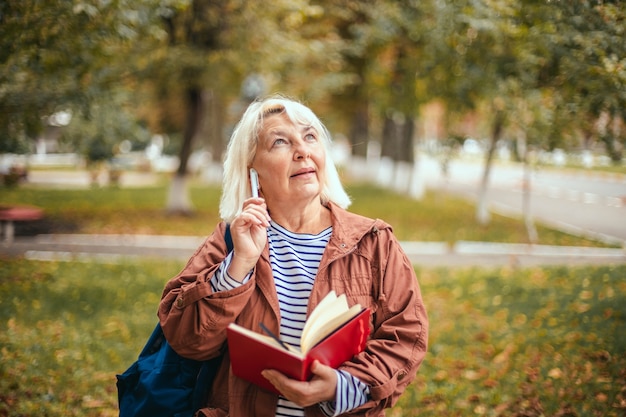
[{"x": 254, "y": 183}]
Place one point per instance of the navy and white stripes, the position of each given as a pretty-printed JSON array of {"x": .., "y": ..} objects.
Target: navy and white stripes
[{"x": 295, "y": 258}]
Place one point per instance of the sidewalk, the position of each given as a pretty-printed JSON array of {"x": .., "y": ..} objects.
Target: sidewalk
[{"x": 118, "y": 248}]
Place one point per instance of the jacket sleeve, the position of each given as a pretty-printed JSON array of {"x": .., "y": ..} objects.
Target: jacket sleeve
[
  {"x": 399, "y": 338},
  {"x": 193, "y": 317}
]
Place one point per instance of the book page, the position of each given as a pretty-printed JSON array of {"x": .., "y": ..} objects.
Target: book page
[
  {"x": 328, "y": 315},
  {"x": 329, "y": 299},
  {"x": 324, "y": 307}
]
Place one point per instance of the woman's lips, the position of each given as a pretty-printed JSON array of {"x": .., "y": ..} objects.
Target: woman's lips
[{"x": 303, "y": 172}]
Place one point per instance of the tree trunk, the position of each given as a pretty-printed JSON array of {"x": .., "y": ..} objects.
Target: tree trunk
[
  {"x": 216, "y": 127},
  {"x": 417, "y": 188},
  {"x": 178, "y": 198},
  {"x": 531, "y": 230},
  {"x": 399, "y": 126},
  {"x": 407, "y": 153},
  {"x": 359, "y": 130},
  {"x": 389, "y": 135},
  {"x": 613, "y": 151},
  {"x": 388, "y": 143},
  {"x": 482, "y": 212}
]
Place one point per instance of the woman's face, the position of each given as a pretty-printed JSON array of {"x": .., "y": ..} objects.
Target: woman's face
[{"x": 290, "y": 160}]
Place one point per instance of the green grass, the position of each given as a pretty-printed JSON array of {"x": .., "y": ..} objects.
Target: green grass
[
  {"x": 118, "y": 210},
  {"x": 503, "y": 342},
  {"x": 530, "y": 342},
  {"x": 66, "y": 329},
  {"x": 438, "y": 217}
]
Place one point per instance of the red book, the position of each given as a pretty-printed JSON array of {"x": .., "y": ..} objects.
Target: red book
[{"x": 332, "y": 335}]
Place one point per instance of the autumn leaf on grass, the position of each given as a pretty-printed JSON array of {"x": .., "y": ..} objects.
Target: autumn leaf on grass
[
  {"x": 555, "y": 373},
  {"x": 90, "y": 402}
]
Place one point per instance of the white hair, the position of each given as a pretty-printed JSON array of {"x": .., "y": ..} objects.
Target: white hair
[{"x": 242, "y": 149}]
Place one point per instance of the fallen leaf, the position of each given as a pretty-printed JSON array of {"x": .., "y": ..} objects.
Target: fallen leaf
[{"x": 555, "y": 373}]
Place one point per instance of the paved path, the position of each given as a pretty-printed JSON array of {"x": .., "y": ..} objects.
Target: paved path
[
  {"x": 580, "y": 202},
  {"x": 117, "y": 248}
]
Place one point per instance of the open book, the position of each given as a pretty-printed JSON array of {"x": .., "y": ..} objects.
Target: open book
[{"x": 333, "y": 334}]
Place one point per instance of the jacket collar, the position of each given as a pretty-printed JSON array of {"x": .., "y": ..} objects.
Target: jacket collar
[{"x": 348, "y": 229}]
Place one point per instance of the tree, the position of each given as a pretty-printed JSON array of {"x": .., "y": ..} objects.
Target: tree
[
  {"x": 59, "y": 55},
  {"x": 545, "y": 59},
  {"x": 350, "y": 23},
  {"x": 468, "y": 59},
  {"x": 212, "y": 47},
  {"x": 592, "y": 68},
  {"x": 403, "y": 27},
  {"x": 194, "y": 32}
]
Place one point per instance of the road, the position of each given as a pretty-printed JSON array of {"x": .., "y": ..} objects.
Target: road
[{"x": 580, "y": 202}]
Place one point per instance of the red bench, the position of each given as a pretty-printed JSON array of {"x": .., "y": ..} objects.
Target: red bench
[{"x": 8, "y": 215}]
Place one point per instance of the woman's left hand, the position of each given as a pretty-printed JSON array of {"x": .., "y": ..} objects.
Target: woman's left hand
[{"x": 320, "y": 388}]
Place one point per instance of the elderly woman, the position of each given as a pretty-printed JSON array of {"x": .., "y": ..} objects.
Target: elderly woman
[{"x": 292, "y": 245}]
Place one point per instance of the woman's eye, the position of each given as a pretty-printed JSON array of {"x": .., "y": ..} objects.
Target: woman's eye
[
  {"x": 310, "y": 137},
  {"x": 279, "y": 141}
]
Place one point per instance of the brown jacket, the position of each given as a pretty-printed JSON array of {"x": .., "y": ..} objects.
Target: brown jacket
[{"x": 363, "y": 260}]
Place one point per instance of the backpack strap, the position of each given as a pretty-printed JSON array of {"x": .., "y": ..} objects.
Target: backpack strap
[{"x": 228, "y": 238}]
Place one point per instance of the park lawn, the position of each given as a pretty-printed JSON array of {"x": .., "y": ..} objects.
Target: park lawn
[
  {"x": 437, "y": 217},
  {"x": 503, "y": 342}
]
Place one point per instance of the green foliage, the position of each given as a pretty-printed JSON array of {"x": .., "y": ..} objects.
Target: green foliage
[
  {"x": 556, "y": 67},
  {"x": 503, "y": 342},
  {"x": 98, "y": 150},
  {"x": 59, "y": 55},
  {"x": 98, "y": 133}
]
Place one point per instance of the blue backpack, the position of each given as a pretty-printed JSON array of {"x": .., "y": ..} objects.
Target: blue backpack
[{"x": 161, "y": 383}]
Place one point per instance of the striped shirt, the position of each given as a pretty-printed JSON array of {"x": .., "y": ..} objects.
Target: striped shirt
[{"x": 295, "y": 258}]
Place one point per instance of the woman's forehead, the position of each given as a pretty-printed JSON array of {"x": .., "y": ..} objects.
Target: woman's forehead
[{"x": 279, "y": 122}]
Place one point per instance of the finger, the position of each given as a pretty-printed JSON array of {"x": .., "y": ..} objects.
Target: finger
[
  {"x": 321, "y": 370},
  {"x": 257, "y": 204},
  {"x": 305, "y": 393},
  {"x": 288, "y": 388},
  {"x": 274, "y": 377},
  {"x": 252, "y": 218},
  {"x": 248, "y": 218},
  {"x": 325, "y": 379}
]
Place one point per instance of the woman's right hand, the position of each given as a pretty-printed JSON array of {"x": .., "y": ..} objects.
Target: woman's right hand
[{"x": 249, "y": 234}]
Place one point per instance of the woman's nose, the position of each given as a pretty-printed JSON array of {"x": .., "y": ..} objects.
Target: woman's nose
[{"x": 301, "y": 152}]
